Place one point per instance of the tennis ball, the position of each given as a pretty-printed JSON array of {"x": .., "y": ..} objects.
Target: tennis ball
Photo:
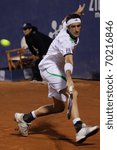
[{"x": 5, "y": 42}]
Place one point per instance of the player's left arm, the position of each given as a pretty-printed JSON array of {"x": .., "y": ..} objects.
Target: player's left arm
[{"x": 79, "y": 11}]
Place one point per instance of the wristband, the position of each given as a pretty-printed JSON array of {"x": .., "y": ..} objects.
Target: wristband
[{"x": 68, "y": 66}]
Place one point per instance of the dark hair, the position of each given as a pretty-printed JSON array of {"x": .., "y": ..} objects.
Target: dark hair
[{"x": 72, "y": 16}]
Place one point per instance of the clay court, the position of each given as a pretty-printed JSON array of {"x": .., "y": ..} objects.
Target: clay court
[{"x": 54, "y": 132}]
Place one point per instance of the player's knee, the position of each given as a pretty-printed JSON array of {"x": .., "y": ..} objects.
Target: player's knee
[{"x": 59, "y": 107}]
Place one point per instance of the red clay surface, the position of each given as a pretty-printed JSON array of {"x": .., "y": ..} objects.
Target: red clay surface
[{"x": 54, "y": 132}]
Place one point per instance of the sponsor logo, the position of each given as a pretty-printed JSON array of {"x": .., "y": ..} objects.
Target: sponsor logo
[
  {"x": 56, "y": 29},
  {"x": 94, "y": 6}
]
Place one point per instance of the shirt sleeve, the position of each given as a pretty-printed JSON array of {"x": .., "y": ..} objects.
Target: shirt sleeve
[{"x": 66, "y": 47}]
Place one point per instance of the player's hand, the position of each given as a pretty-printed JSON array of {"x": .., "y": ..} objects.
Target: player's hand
[
  {"x": 70, "y": 84},
  {"x": 80, "y": 10}
]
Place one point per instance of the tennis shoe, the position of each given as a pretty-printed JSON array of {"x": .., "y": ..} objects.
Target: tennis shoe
[
  {"x": 22, "y": 125},
  {"x": 85, "y": 132}
]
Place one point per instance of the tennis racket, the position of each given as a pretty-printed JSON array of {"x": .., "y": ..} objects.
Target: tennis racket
[{"x": 70, "y": 101}]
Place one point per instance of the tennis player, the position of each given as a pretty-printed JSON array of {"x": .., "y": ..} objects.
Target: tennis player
[{"x": 56, "y": 68}]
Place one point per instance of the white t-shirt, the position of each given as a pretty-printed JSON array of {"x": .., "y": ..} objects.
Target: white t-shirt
[{"x": 62, "y": 45}]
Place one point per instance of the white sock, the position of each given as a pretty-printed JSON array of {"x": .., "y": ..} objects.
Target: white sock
[
  {"x": 76, "y": 120},
  {"x": 33, "y": 114}
]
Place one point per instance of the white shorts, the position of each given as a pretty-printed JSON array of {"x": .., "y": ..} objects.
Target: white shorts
[{"x": 56, "y": 82}]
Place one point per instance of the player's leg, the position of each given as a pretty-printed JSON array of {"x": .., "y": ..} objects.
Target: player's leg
[
  {"x": 24, "y": 120},
  {"x": 82, "y": 130},
  {"x": 74, "y": 112},
  {"x": 57, "y": 107}
]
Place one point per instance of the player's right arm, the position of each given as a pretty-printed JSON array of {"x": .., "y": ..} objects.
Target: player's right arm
[{"x": 68, "y": 67}]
